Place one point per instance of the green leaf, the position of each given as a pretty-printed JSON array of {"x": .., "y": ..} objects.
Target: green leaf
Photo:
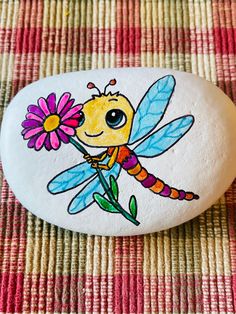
[
  {"x": 114, "y": 187},
  {"x": 133, "y": 206},
  {"x": 104, "y": 203}
]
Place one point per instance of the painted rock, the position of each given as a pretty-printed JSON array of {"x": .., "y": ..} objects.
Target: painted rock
[{"x": 119, "y": 151}]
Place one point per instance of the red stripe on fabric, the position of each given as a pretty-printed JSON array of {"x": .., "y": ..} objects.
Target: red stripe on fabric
[
  {"x": 28, "y": 40},
  {"x": 201, "y": 41},
  {"x": 54, "y": 40},
  {"x": 135, "y": 275},
  {"x": 7, "y": 40},
  {"x": 127, "y": 44},
  {"x": 223, "y": 22},
  {"x": 15, "y": 295},
  {"x": 56, "y": 290},
  {"x": 26, "y": 65},
  {"x": 96, "y": 295},
  {"x": 59, "y": 303},
  {"x": 27, "y": 293},
  {"x": 128, "y": 40},
  {"x": 159, "y": 285},
  {"x": 224, "y": 14},
  {"x": 73, "y": 292},
  {"x": 128, "y": 33},
  {"x": 128, "y": 278},
  {"x": 104, "y": 293},
  {"x": 66, "y": 294},
  {"x": 11, "y": 298},
  {"x": 119, "y": 33},
  {"x": 230, "y": 198},
  {"x": 42, "y": 292},
  {"x": 224, "y": 80},
  {"x": 211, "y": 295},
  {"x": 233, "y": 284},
  {"x": 12, "y": 249},
  {"x": 81, "y": 294},
  {"x": 49, "y": 307},
  {"x": 225, "y": 40},
  {"x": 194, "y": 294},
  {"x": 119, "y": 294}
]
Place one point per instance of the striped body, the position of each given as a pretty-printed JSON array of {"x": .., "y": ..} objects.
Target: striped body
[{"x": 129, "y": 161}]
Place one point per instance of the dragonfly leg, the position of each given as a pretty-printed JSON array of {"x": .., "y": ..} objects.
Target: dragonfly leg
[
  {"x": 90, "y": 159},
  {"x": 110, "y": 163}
]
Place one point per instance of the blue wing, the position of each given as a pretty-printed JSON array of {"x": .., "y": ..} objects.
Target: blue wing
[
  {"x": 71, "y": 178},
  {"x": 85, "y": 197},
  {"x": 152, "y": 107},
  {"x": 164, "y": 138}
]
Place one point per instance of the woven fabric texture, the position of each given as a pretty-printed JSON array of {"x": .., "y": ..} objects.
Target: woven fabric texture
[{"x": 187, "y": 269}]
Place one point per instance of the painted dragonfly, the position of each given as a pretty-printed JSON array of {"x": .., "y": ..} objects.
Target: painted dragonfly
[{"x": 110, "y": 121}]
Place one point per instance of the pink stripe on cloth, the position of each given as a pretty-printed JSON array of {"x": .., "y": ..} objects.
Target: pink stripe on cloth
[
  {"x": 225, "y": 36},
  {"x": 168, "y": 293},
  {"x": 6, "y": 35},
  {"x": 128, "y": 273},
  {"x": 13, "y": 222},
  {"x": 132, "y": 42},
  {"x": 223, "y": 20},
  {"x": 27, "y": 64},
  {"x": 128, "y": 34},
  {"x": 231, "y": 205}
]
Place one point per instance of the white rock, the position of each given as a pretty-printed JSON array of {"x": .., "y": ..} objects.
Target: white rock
[{"x": 203, "y": 161}]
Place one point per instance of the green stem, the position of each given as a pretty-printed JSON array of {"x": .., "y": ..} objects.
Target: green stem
[
  {"x": 78, "y": 146},
  {"x": 106, "y": 186},
  {"x": 124, "y": 212}
]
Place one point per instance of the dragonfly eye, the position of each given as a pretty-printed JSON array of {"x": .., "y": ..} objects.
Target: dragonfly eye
[
  {"x": 115, "y": 118},
  {"x": 81, "y": 119}
]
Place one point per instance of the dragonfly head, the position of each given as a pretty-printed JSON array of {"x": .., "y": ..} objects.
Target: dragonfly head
[{"x": 107, "y": 119}]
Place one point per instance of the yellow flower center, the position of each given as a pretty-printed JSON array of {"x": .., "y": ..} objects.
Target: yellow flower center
[{"x": 51, "y": 123}]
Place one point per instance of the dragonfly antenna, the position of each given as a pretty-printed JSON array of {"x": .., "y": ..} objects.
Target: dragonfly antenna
[
  {"x": 111, "y": 83},
  {"x": 92, "y": 86}
]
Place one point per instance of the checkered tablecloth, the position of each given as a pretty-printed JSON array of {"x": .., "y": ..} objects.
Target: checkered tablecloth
[{"x": 187, "y": 269}]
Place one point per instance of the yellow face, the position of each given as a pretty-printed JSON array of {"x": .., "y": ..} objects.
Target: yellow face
[{"x": 107, "y": 121}]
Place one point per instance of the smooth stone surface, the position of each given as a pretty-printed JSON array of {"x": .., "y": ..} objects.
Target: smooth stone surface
[{"x": 203, "y": 161}]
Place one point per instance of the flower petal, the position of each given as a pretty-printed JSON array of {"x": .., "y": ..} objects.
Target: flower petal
[
  {"x": 71, "y": 112},
  {"x": 51, "y": 100},
  {"x": 67, "y": 107},
  {"x": 62, "y": 136},
  {"x": 44, "y": 106},
  {"x": 36, "y": 110},
  {"x": 32, "y": 132},
  {"x": 30, "y": 123},
  {"x": 33, "y": 117},
  {"x": 76, "y": 116},
  {"x": 25, "y": 131},
  {"x": 54, "y": 140},
  {"x": 47, "y": 143},
  {"x": 62, "y": 102},
  {"x": 31, "y": 142},
  {"x": 71, "y": 122},
  {"x": 40, "y": 141},
  {"x": 68, "y": 130}
]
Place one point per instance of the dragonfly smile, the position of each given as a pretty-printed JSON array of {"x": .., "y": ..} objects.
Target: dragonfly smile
[{"x": 93, "y": 135}]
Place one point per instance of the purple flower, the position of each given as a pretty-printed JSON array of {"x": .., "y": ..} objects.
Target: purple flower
[{"x": 49, "y": 124}]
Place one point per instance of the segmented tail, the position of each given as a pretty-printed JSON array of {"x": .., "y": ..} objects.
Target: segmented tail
[{"x": 155, "y": 184}]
